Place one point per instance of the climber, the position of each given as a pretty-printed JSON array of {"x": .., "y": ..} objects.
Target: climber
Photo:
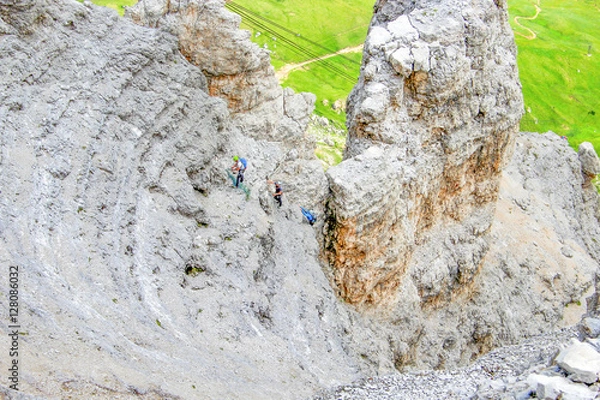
[
  {"x": 309, "y": 216},
  {"x": 278, "y": 191},
  {"x": 239, "y": 166}
]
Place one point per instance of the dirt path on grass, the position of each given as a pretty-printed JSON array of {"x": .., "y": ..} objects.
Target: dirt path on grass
[
  {"x": 283, "y": 73},
  {"x": 531, "y": 35}
]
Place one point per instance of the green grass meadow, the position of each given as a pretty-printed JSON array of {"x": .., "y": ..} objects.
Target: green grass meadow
[
  {"x": 334, "y": 24},
  {"x": 331, "y": 87},
  {"x": 560, "y": 68},
  {"x": 114, "y": 4}
]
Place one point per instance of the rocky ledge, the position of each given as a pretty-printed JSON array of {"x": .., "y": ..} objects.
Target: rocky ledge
[{"x": 563, "y": 365}]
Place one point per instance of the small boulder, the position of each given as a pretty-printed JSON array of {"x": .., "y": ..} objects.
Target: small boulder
[
  {"x": 581, "y": 361},
  {"x": 558, "y": 387},
  {"x": 590, "y": 164},
  {"x": 591, "y": 327}
]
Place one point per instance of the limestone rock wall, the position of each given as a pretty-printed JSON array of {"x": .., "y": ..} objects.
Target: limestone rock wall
[
  {"x": 209, "y": 37},
  {"x": 421, "y": 238},
  {"x": 431, "y": 123},
  {"x": 240, "y": 72},
  {"x": 538, "y": 270},
  {"x": 236, "y": 69},
  {"x": 145, "y": 274}
]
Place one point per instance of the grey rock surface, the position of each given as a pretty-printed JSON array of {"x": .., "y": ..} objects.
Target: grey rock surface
[
  {"x": 591, "y": 326},
  {"x": 426, "y": 234},
  {"x": 432, "y": 119},
  {"x": 240, "y": 72},
  {"x": 113, "y": 187},
  {"x": 518, "y": 372},
  {"x": 590, "y": 164},
  {"x": 557, "y": 387},
  {"x": 236, "y": 69},
  {"x": 580, "y": 361},
  {"x": 525, "y": 285},
  {"x": 144, "y": 273}
]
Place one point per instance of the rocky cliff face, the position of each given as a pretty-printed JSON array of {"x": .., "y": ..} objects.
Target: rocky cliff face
[
  {"x": 432, "y": 119},
  {"x": 418, "y": 237},
  {"x": 538, "y": 269},
  {"x": 236, "y": 69},
  {"x": 240, "y": 73},
  {"x": 143, "y": 273}
]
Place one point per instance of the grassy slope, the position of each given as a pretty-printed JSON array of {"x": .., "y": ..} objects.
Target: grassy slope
[
  {"x": 331, "y": 86},
  {"x": 334, "y": 24},
  {"x": 559, "y": 78},
  {"x": 115, "y": 4},
  {"x": 561, "y": 83}
]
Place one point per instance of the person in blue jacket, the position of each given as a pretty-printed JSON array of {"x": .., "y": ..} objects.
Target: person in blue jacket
[{"x": 309, "y": 216}]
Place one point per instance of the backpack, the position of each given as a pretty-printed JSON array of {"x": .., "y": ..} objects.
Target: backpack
[{"x": 244, "y": 162}]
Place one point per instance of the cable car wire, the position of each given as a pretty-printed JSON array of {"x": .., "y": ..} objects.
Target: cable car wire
[{"x": 255, "y": 21}]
